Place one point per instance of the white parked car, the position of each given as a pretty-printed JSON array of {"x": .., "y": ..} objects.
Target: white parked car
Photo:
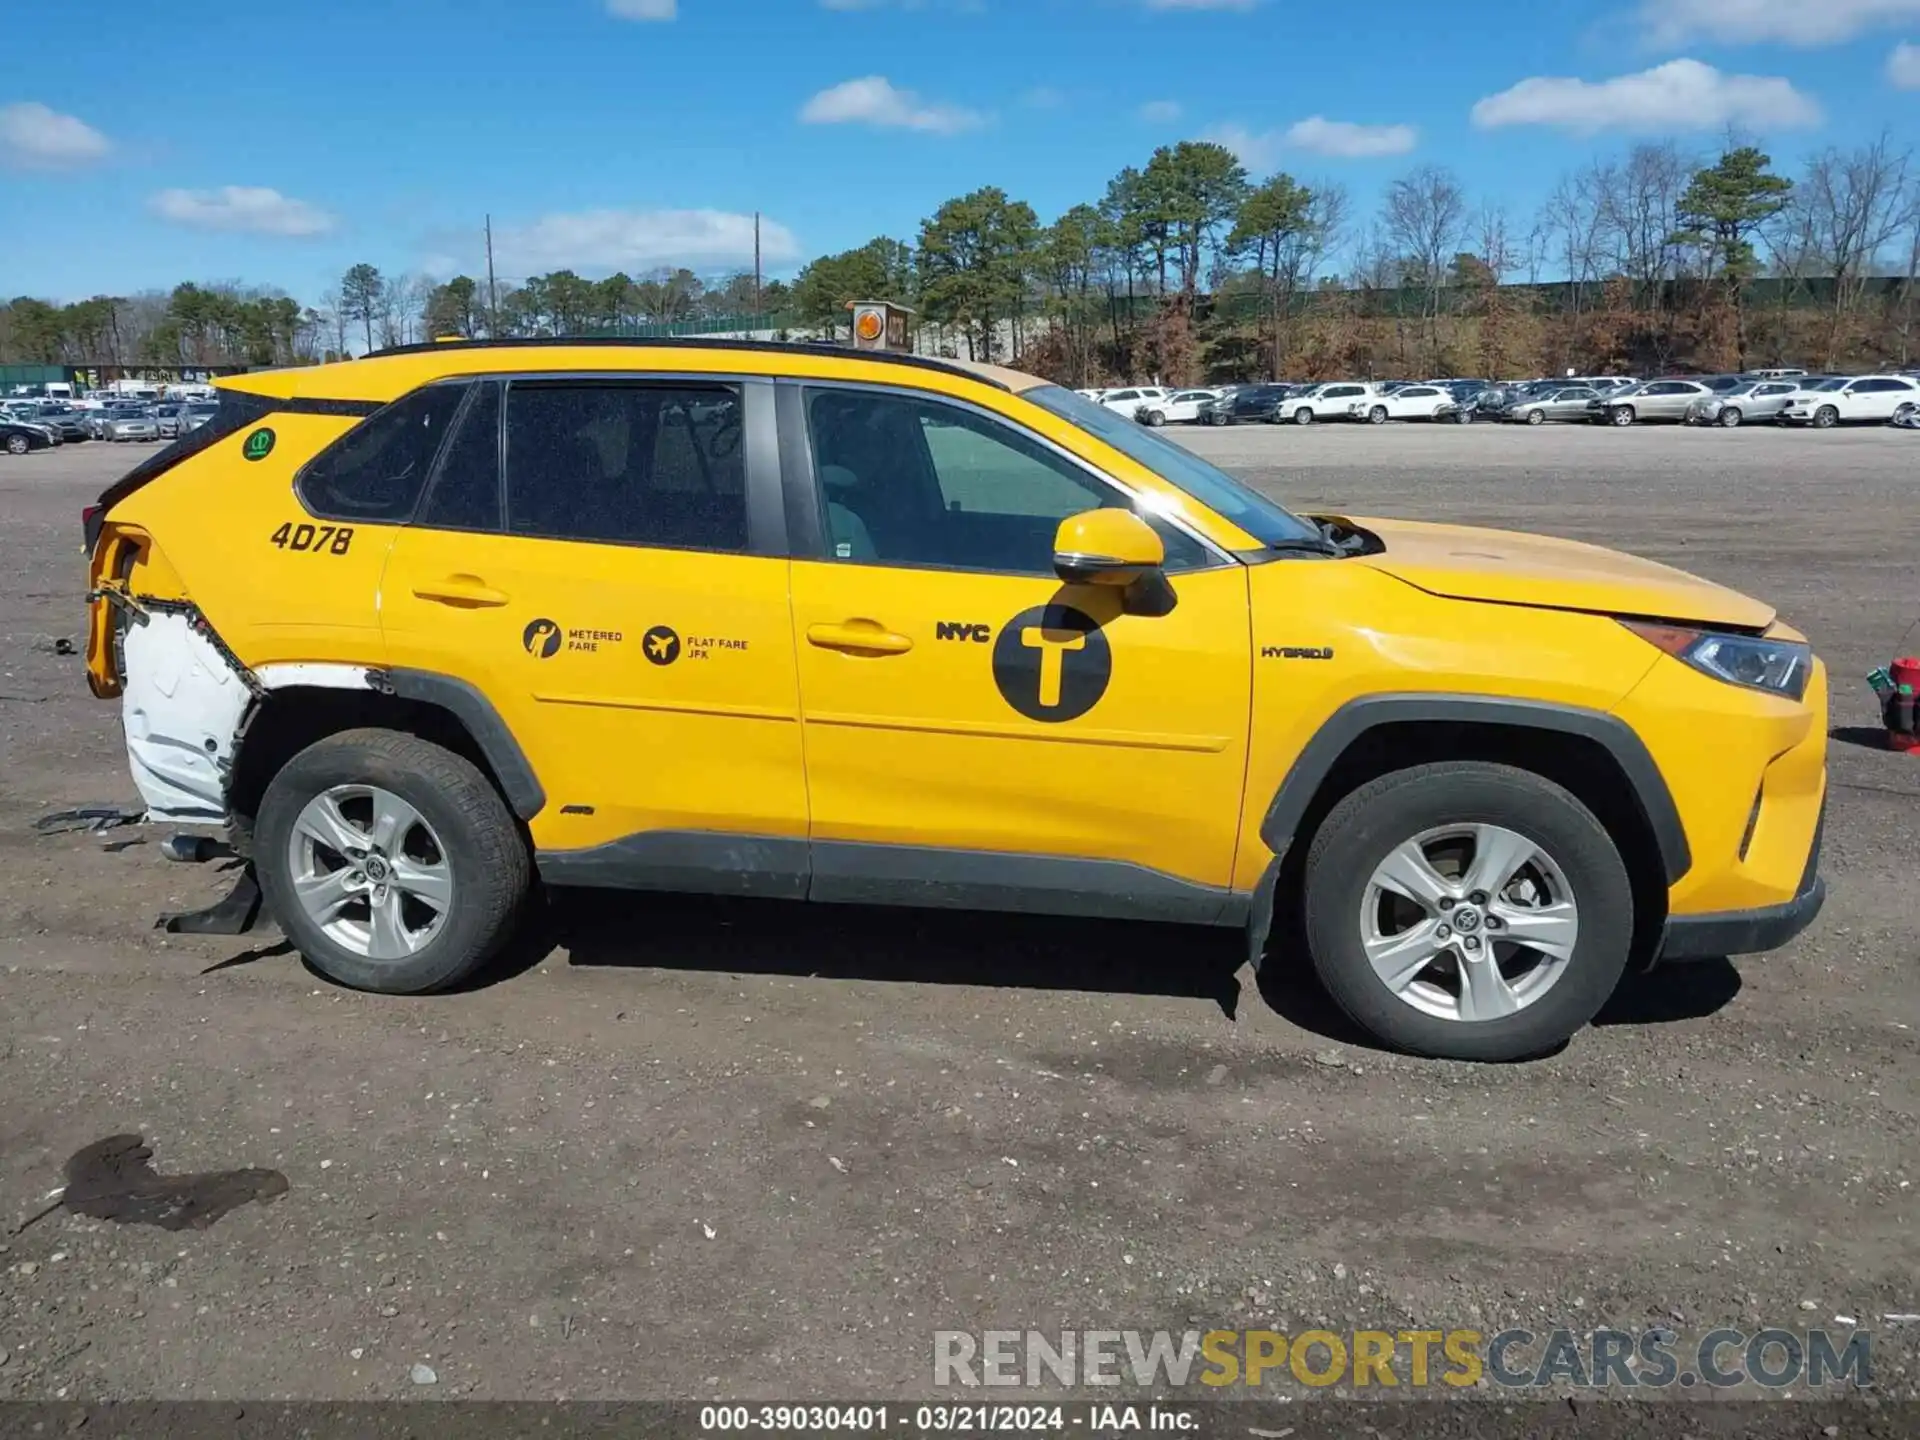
[
  {"x": 1409, "y": 402},
  {"x": 1130, "y": 399},
  {"x": 1331, "y": 400},
  {"x": 1871, "y": 398},
  {"x": 1182, "y": 407}
]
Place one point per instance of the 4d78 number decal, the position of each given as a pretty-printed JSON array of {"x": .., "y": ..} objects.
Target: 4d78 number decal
[{"x": 315, "y": 539}]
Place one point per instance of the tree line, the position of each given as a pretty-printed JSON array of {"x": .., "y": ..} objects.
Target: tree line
[{"x": 1186, "y": 268}]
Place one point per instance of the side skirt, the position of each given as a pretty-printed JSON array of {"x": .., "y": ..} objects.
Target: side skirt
[{"x": 930, "y": 877}]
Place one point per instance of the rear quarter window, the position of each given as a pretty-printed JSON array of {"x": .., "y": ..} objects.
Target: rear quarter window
[{"x": 377, "y": 470}]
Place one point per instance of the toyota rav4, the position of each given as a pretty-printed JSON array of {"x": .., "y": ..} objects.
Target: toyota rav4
[{"x": 428, "y": 628}]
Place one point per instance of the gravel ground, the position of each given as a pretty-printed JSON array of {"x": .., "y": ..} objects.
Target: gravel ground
[{"x": 705, "y": 1150}]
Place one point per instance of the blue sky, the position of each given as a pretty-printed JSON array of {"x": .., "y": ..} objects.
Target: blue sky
[{"x": 277, "y": 143}]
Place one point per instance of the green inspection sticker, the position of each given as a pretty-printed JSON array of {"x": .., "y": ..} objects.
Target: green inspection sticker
[{"x": 259, "y": 444}]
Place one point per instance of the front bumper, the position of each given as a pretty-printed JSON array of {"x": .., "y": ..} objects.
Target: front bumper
[{"x": 1749, "y": 932}]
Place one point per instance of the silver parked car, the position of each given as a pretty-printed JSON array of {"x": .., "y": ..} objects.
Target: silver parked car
[
  {"x": 1749, "y": 400},
  {"x": 1571, "y": 402},
  {"x": 1655, "y": 400},
  {"x": 139, "y": 426}
]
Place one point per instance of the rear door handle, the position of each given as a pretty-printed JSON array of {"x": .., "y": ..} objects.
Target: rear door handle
[
  {"x": 464, "y": 591},
  {"x": 861, "y": 637}
]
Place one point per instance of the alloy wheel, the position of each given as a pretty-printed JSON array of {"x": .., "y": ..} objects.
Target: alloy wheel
[{"x": 369, "y": 871}]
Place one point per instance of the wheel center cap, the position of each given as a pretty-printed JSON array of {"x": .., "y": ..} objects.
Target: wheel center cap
[
  {"x": 376, "y": 868},
  {"x": 1465, "y": 919}
]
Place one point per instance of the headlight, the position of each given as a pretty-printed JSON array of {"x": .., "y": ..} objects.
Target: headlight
[{"x": 1779, "y": 667}]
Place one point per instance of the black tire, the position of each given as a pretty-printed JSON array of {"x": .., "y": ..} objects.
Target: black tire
[
  {"x": 1360, "y": 831},
  {"x": 18, "y": 444},
  {"x": 1303, "y": 416},
  {"x": 1155, "y": 419},
  {"x": 1536, "y": 417},
  {"x": 479, "y": 836},
  {"x": 1825, "y": 418},
  {"x": 1731, "y": 417},
  {"x": 1621, "y": 415}
]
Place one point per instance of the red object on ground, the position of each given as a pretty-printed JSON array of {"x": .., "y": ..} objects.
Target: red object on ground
[{"x": 1906, "y": 677}]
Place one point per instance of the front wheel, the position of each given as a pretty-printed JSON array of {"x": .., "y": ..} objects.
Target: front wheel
[
  {"x": 18, "y": 444},
  {"x": 1536, "y": 417},
  {"x": 1467, "y": 910},
  {"x": 392, "y": 864},
  {"x": 1303, "y": 416},
  {"x": 1377, "y": 415},
  {"x": 1155, "y": 419},
  {"x": 1825, "y": 418},
  {"x": 1731, "y": 417},
  {"x": 1621, "y": 415}
]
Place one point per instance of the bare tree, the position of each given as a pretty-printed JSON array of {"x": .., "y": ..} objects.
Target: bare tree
[
  {"x": 1852, "y": 206},
  {"x": 1425, "y": 218}
]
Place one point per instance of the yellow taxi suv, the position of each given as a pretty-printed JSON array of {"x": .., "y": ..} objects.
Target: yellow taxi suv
[{"x": 429, "y": 629}]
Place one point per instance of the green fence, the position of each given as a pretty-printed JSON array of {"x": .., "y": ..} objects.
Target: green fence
[{"x": 12, "y": 375}]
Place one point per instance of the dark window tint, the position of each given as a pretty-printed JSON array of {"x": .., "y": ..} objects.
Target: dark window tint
[
  {"x": 466, "y": 487},
  {"x": 630, "y": 464},
  {"x": 914, "y": 482},
  {"x": 377, "y": 470}
]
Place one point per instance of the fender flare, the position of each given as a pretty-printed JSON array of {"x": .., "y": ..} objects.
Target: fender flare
[
  {"x": 1357, "y": 717},
  {"x": 473, "y": 710}
]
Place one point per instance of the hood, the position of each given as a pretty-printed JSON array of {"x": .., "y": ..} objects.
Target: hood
[{"x": 1509, "y": 568}]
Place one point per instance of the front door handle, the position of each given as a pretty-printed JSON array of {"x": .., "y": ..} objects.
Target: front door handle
[
  {"x": 464, "y": 591},
  {"x": 861, "y": 637}
]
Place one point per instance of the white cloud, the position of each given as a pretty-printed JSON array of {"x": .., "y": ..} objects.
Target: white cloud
[
  {"x": 608, "y": 240},
  {"x": 1263, "y": 150},
  {"x": 642, "y": 9},
  {"x": 875, "y": 100},
  {"x": 1679, "y": 95},
  {"x": 1903, "y": 66},
  {"x": 1807, "y": 23},
  {"x": 1160, "y": 112},
  {"x": 34, "y": 137},
  {"x": 1344, "y": 140},
  {"x": 251, "y": 209}
]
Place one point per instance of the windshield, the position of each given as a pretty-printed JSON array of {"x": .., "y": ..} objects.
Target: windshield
[
  {"x": 1834, "y": 384},
  {"x": 1260, "y": 517}
]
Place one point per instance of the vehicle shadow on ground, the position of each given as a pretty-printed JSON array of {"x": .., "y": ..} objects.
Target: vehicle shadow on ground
[
  {"x": 881, "y": 943},
  {"x": 1867, "y": 737}
]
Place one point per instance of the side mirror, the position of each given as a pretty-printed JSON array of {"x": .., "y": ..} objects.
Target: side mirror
[{"x": 1106, "y": 547}]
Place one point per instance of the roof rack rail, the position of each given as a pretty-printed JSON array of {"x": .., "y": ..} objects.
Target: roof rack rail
[{"x": 694, "y": 342}]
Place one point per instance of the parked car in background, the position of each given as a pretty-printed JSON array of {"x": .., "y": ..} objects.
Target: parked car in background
[
  {"x": 1126, "y": 401},
  {"x": 18, "y": 437},
  {"x": 1861, "y": 398},
  {"x": 1567, "y": 403},
  {"x": 1332, "y": 400},
  {"x": 1749, "y": 400},
  {"x": 1180, "y": 408},
  {"x": 137, "y": 426},
  {"x": 71, "y": 423},
  {"x": 197, "y": 414},
  {"x": 1655, "y": 400},
  {"x": 167, "y": 417},
  {"x": 1408, "y": 402},
  {"x": 1246, "y": 404}
]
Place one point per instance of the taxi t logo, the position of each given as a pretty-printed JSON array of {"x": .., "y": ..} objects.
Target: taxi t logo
[{"x": 1052, "y": 663}]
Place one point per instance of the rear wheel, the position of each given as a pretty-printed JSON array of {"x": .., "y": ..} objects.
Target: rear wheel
[
  {"x": 1825, "y": 418},
  {"x": 1731, "y": 417},
  {"x": 1621, "y": 415},
  {"x": 392, "y": 864},
  {"x": 1303, "y": 416},
  {"x": 18, "y": 444},
  {"x": 1467, "y": 910}
]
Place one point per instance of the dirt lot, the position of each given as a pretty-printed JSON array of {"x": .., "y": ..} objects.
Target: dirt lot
[{"x": 721, "y": 1150}]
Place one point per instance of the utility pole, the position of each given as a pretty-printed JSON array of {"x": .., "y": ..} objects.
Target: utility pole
[
  {"x": 493, "y": 293},
  {"x": 756, "y": 265}
]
